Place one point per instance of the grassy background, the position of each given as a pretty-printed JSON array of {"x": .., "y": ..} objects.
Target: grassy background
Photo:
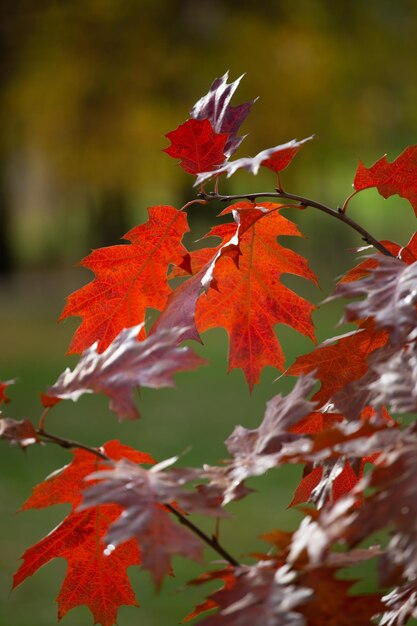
[{"x": 196, "y": 417}]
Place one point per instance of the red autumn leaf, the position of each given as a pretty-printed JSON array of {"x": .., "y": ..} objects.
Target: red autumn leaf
[
  {"x": 363, "y": 268},
  {"x": 340, "y": 362},
  {"x": 408, "y": 254},
  {"x": 93, "y": 578},
  {"x": 331, "y": 599},
  {"x": 143, "y": 494},
  {"x": 198, "y": 146},
  {"x": 306, "y": 486},
  {"x": 260, "y": 595},
  {"x": 331, "y": 472},
  {"x": 250, "y": 300},
  {"x": 341, "y": 484},
  {"x": 346, "y": 480},
  {"x": 21, "y": 432},
  {"x": 48, "y": 401},
  {"x": 316, "y": 422},
  {"x": 398, "y": 177},
  {"x": 215, "y": 107},
  {"x": 275, "y": 159},
  {"x": 126, "y": 365},
  {"x": 229, "y": 582},
  {"x": 3, "y": 386},
  {"x": 129, "y": 279},
  {"x": 181, "y": 307}
]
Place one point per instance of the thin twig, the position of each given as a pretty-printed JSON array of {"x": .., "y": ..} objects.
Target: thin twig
[
  {"x": 304, "y": 202},
  {"x": 210, "y": 541},
  {"x": 191, "y": 202},
  {"x": 69, "y": 443}
]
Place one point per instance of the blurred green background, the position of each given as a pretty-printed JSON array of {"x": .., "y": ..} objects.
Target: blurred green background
[{"x": 89, "y": 89}]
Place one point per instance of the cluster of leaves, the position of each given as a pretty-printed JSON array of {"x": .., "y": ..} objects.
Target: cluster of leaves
[{"x": 336, "y": 420}]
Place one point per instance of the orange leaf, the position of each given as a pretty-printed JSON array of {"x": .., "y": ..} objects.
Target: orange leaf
[
  {"x": 249, "y": 300},
  {"x": 94, "y": 578},
  {"x": 340, "y": 363},
  {"x": 129, "y": 279},
  {"x": 398, "y": 177}
]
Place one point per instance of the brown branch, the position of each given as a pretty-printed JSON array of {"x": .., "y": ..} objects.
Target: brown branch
[
  {"x": 69, "y": 443},
  {"x": 339, "y": 214},
  {"x": 210, "y": 541}
]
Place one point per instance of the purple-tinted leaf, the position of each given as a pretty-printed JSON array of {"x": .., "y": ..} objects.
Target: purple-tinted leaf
[
  {"x": 281, "y": 414},
  {"x": 317, "y": 536},
  {"x": 142, "y": 493},
  {"x": 276, "y": 159},
  {"x": 262, "y": 596},
  {"x": 390, "y": 291},
  {"x": 256, "y": 451},
  {"x": 215, "y": 106},
  {"x": 20, "y": 432},
  {"x": 401, "y": 604},
  {"x": 392, "y": 503},
  {"x": 182, "y": 303},
  {"x": 395, "y": 381},
  {"x": 125, "y": 365}
]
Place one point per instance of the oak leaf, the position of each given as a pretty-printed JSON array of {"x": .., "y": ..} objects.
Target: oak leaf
[
  {"x": 275, "y": 159},
  {"x": 249, "y": 300},
  {"x": 181, "y": 306},
  {"x": 93, "y": 578},
  {"x": 142, "y": 495},
  {"x": 125, "y": 365},
  {"x": 398, "y": 177},
  {"x": 197, "y": 145},
  {"x": 260, "y": 595},
  {"x": 407, "y": 253},
  {"x": 215, "y": 106},
  {"x": 331, "y": 598},
  {"x": 340, "y": 360},
  {"x": 394, "y": 382},
  {"x": 20, "y": 432},
  {"x": 390, "y": 297},
  {"x": 229, "y": 582},
  {"x": 129, "y": 279}
]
